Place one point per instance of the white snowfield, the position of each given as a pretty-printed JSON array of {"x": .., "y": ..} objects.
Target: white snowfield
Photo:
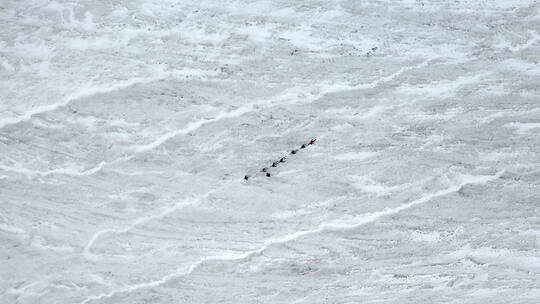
[{"x": 127, "y": 127}]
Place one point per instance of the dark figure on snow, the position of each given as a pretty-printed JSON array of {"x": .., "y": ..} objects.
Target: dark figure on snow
[
  {"x": 303, "y": 146},
  {"x": 282, "y": 160},
  {"x": 311, "y": 142},
  {"x": 274, "y": 164},
  {"x": 268, "y": 174},
  {"x": 294, "y": 151},
  {"x": 246, "y": 177},
  {"x": 264, "y": 169}
]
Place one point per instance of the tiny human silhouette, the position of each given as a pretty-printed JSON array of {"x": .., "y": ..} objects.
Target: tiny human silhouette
[
  {"x": 268, "y": 174},
  {"x": 303, "y": 146},
  {"x": 264, "y": 169},
  {"x": 282, "y": 160},
  {"x": 311, "y": 142},
  {"x": 246, "y": 177},
  {"x": 294, "y": 151},
  {"x": 274, "y": 164}
]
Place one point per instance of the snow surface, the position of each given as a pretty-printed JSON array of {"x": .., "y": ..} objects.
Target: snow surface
[{"x": 126, "y": 128}]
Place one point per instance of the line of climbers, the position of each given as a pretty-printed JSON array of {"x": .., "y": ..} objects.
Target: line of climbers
[{"x": 282, "y": 160}]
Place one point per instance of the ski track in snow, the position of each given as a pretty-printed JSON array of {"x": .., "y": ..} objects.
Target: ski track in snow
[{"x": 335, "y": 225}]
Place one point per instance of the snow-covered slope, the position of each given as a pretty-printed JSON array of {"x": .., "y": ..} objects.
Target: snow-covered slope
[{"x": 126, "y": 128}]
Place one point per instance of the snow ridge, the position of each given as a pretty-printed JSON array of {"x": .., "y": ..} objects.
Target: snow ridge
[
  {"x": 87, "y": 252},
  {"x": 282, "y": 99},
  {"x": 89, "y": 91},
  {"x": 336, "y": 225}
]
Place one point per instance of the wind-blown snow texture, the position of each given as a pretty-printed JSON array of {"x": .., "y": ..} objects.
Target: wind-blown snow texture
[{"x": 126, "y": 128}]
